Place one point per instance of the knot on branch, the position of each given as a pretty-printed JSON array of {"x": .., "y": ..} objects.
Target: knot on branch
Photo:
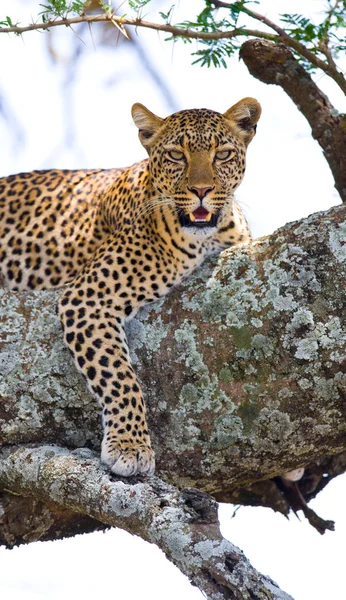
[
  {"x": 202, "y": 504},
  {"x": 267, "y": 61}
]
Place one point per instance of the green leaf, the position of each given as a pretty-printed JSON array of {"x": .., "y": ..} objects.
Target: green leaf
[
  {"x": 8, "y": 23},
  {"x": 106, "y": 7},
  {"x": 166, "y": 16},
  {"x": 62, "y": 9},
  {"x": 136, "y": 5}
]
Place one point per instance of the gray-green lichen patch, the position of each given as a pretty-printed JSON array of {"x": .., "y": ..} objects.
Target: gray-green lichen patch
[
  {"x": 188, "y": 350},
  {"x": 176, "y": 535},
  {"x": 225, "y": 375},
  {"x": 39, "y": 381},
  {"x": 262, "y": 346},
  {"x": 309, "y": 337},
  {"x": 302, "y": 317},
  {"x": 256, "y": 322},
  {"x": 204, "y": 394},
  {"x": 11, "y": 325},
  {"x": 189, "y": 394},
  {"x": 228, "y": 430},
  {"x": 207, "y": 549},
  {"x": 329, "y": 389},
  {"x": 225, "y": 298},
  {"x": 143, "y": 334},
  {"x": 204, "y": 397},
  {"x": 27, "y": 414},
  {"x": 123, "y": 500},
  {"x": 274, "y": 427},
  {"x": 337, "y": 242},
  {"x": 178, "y": 541},
  {"x": 8, "y": 361},
  {"x": 304, "y": 383}
]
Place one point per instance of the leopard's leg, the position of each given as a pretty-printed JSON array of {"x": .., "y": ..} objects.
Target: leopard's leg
[{"x": 96, "y": 338}]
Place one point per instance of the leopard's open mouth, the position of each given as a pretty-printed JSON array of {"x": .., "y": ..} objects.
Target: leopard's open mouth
[{"x": 198, "y": 218}]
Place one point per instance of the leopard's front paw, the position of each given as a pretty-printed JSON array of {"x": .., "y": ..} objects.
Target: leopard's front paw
[{"x": 127, "y": 459}]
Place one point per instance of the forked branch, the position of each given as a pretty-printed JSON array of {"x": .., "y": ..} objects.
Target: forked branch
[{"x": 183, "y": 523}]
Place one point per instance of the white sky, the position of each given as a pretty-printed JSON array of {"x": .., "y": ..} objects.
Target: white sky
[{"x": 287, "y": 178}]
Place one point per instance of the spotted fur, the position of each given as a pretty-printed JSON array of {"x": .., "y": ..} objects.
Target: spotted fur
[{"x": 121, "y": 238}]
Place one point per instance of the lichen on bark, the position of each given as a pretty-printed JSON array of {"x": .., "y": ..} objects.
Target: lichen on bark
[
  {"x": 243, "y": 368},
  {"x": 255, "y": 345},
  {"x": 243, "y": 363}
]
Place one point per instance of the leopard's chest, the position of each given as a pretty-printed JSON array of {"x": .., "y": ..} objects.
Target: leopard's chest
[{"x": 135, "y": 271}]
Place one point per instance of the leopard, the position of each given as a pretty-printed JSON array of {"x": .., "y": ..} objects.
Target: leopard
[{"x": 117, "y": 239}]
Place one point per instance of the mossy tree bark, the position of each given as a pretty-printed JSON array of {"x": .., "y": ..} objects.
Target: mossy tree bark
[{"x": 244, "y": 371}]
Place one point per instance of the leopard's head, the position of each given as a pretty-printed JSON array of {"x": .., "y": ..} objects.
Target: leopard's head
[{"x": 197, "y": 159}]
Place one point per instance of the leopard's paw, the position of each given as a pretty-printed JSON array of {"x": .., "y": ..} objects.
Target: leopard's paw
[{"x": 128, "y": 459}]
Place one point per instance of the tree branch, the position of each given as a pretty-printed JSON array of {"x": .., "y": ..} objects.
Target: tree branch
[
  {"x": 243, "y": 368},
  {"x": 123, "y": 21},
  {"x": 327, "y": 67},
  {"x": 263, "y": 395},
  {"x": 24, "y": 520},
  {"x": 183, "y": 524},
  {"x": 275, "y": 64},
  {"x": 333, "y": 69},
  {"x": 120, "y": 22},
  {"x": 233, "y": 364}
]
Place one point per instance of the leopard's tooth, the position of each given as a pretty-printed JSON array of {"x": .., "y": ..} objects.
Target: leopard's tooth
[
  {"x": 208, "y": 217},
  {"x": 192, "y": 217}
]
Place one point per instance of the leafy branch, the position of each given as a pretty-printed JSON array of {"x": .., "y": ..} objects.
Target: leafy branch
[
  {"x": 315, "y": 46},
  {"x": 303, "y": 37},
  {"x": 62, "y": 9}
]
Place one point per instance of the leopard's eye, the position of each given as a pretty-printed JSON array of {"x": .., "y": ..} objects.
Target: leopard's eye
[
  {"x": 225, "y": 155},
  {"x": 176, "y": 155}
]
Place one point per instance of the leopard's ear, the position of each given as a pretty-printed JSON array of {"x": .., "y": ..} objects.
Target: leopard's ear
[
  {"x": 148, "y": 124},
  {"x": 244, "y": 116}
]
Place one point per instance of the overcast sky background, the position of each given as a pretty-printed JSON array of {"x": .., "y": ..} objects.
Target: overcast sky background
[{"x": 58, "y": 115}]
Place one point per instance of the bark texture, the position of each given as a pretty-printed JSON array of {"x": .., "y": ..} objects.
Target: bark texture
[
  {"x": 27, "y": 519},
  {"x": 244, "y": 372},
  {"x": 183, "y": 524},
  {"x": 275, "y": 64},
  {"x": 243, "y": 366}
]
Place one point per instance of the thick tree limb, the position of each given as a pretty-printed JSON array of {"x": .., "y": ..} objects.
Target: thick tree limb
[
  {"x": 183, "y": 524},
  {"x": 244, "y": 373},
  {"x": 275, "y": 64},
  {"x": 243, "y": 366}
]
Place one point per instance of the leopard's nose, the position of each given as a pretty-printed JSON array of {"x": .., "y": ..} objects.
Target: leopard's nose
[{"x": 201, "y": 192}]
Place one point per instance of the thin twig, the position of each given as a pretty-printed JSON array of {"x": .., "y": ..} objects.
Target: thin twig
[
  {"x": 92, "y": 37},
  {"x": 121, "y": 22},
  {"x": 173, "y": 30},
  {"x": 330, "y": 12}
]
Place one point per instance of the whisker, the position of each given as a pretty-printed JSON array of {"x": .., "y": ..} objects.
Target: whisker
[
  {"x": 148, "y": 208},
  {"x": 249, "y": 210},
  {"x": 153, "y": 202},
  {"x": 152, "y": 205}
]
